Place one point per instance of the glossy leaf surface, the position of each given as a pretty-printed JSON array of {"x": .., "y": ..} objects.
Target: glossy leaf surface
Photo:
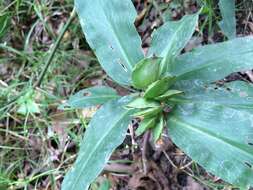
[
  {"x": 159, "y": 87},
  {"x": 149, "y": 112},
  {"x": 141, "y": 103},
  {"x": 109, "y": 29},
  {"x": 158, "y": 129},
  {"x": 146, "y": 124},
  {"x": 168, "y": 94},
  {"x": 146, "y": 72}
]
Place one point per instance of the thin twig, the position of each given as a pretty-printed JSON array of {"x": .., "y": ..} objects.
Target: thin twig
[
  {"x": 171, "y": 162},
  {"x": 174, "y": 165},
  {"x": 131, "y": 130},
  {"x": 54, "y": 48},
  {"x": 186, "y": 165},
  {"x": 144, "y": 152},
  {"x": 119, "y": 168}
]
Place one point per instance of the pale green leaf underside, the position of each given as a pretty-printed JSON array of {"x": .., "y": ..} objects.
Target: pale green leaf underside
[
  {"x": 214, "y": 62},
  {"x": 145, "y": 124},
  {"x": 158, "y": 129},
  {"x": 90, "y": 97},
  {"x": 217, "y": 137},
  {"x": 171, "y": 38},
  {"x": 228, "y": 23},
  {"x": 236, "y": 94},
  {"x": 105, "y": 132},
  {"x": 142, "y": 103},
  {"x": 109, "y": 29}
]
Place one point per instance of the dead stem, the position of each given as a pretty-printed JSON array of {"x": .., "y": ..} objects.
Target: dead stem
[
  {"x": 144, "y": 152},
  {"x": 119, "y": 168}
]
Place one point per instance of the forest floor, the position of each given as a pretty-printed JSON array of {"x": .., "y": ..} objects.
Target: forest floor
[{"x": 38, "y": 147}]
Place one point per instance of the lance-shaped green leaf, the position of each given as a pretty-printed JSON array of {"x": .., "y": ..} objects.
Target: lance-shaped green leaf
[
  {"x": 149, "y": 112},
  {"x": 171, "y": 38},
  {"x": 228, "y": 23},
  {"x": 219, "y": 138},
  {"x": 214, "y": 62},
  {"x": 159, "y": 87},
  {"x": 140, "y": 103},
  {"x": 236, "y": 94},
  {"x": 146, "y": 124},
  {"x": 109, "y": 29},
  {"x": 146, "y": 72},
  {"x": 158, "y": 129},
  {"x": 90, "y": 97},
  {"x": 105, "y": 132},
  {"x": 168, "y": 94}
]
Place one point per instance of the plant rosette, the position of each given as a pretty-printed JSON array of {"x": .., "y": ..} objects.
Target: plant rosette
[{"x": 212, "y": 125}]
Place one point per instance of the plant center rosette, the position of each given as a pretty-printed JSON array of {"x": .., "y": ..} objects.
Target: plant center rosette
[{"x": 153, "y": 103}]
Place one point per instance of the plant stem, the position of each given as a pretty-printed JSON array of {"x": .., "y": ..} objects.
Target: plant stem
[
  {"x": 144, "y": 152},
  {"x": 119, "y": 168},
  {"x": 54, "y": 48}
]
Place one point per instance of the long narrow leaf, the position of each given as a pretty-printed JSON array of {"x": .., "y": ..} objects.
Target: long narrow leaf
[
  {"x": 170, "y": 39},
  {"x": 236, "y": 94},
  {"x": 228, "y": 23},
  {"x": 105, "y": 132},
  {"x": 218, "y": 138},
  {"x": 90, "y": 97},
  {"x": 110, "y": 32},
  {"x": 214, "y": 62}
]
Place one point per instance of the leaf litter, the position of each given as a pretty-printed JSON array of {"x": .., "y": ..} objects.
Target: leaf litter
[{"x": 164, "y": 159}]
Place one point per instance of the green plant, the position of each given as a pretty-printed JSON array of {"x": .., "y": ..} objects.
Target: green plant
[
  {"x": 228, "y": 23},
  {"x": 212, "y": 124}
]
